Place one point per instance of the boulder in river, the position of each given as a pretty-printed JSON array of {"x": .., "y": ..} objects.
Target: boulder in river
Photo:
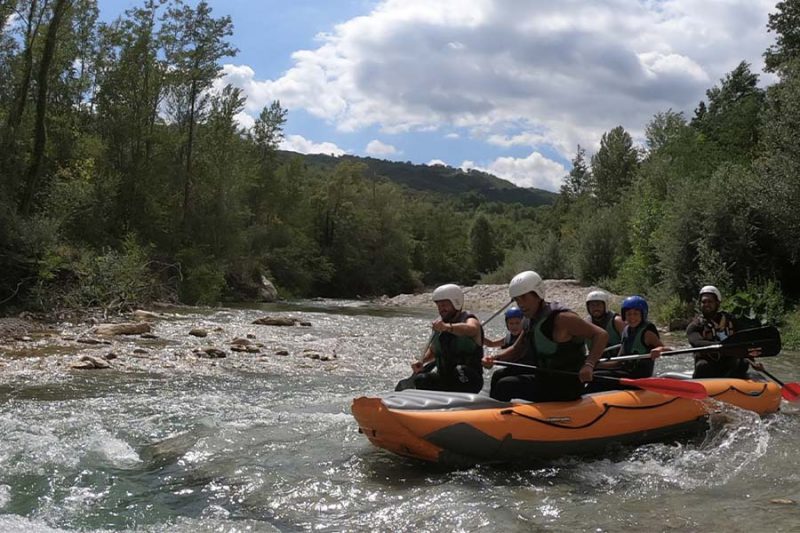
[
  {"x": 198, "y": 332},
  {"x": 280, "y": 321},
  {"x": 89, "y": 362},
  {"x": 266, "y": 290},
  {"x": 211, "y": 353},
  {"x": 130, "y": 328},
  {"x": 141, "y": 314}
]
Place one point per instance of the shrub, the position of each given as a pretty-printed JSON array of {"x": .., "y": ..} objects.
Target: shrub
[{"x": 760, "y": 303}]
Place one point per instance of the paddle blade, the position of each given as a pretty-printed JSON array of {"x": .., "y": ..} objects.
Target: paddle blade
[
  {"x": 756, "y": 342},
  {"x": 671, "y": 387},
  {"x": 791, "y": 392}
]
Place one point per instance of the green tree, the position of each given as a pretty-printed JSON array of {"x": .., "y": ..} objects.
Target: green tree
[
  {"x": 194, "y": 42},
  {"x": 731, "y": 118},
  {"x": 614, "y": 165},
  {"x": 482, "y": 242},
  {"x": 579, "y": 180},
  {"x": 785, "y": 23}
]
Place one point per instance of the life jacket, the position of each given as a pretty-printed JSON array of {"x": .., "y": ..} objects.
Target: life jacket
[
  {"x": 633, "y": 344},
  {"x": 452, "y": 350},
  {"x": 720, "y": 327},
  {"x": 508, "y": 340},
  {"x": 613, "y": 335},
  {"x": 544, "y": 352}
]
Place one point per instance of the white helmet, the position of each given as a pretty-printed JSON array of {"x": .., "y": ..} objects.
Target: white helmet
[
  {"x": 597, "y": 296},
  {"x": 525, "y": 282},
  {"x": 450, "y": 292},
  {"x": 710, "y": 289}
]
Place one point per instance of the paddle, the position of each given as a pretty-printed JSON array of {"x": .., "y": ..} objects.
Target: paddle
[
  {"x": 671, "y": 387},
  {"x": 789, "y": 391},
  {"x": 756, "y": 342}
]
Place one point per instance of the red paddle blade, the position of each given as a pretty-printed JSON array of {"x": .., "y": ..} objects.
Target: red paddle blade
[
  {"x": 791, "y": 392},
  {"x": 671, "y": 387}
]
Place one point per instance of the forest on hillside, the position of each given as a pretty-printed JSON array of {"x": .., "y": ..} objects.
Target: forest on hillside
[{"x": 125, "y": 178}]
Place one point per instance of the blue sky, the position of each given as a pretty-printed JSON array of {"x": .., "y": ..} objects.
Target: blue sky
[{"x": 507, "y": 86}]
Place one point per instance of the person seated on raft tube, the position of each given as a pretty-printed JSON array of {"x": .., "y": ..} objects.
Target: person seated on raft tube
[
  {"x": 456, "y": 348},
  {"x": 514, "y": 324},
  {"x": 603, "y": 317},
  {"x": 711, "y": 327},
  {"x": 639, "y": 336},
  {"x": 553, "y": 338},
  {"x": 514, "y": 318}
]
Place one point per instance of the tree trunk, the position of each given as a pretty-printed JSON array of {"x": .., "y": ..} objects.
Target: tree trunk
[
  {"x": 40, "y": 131},
  {"x": 187, "y": 184}
]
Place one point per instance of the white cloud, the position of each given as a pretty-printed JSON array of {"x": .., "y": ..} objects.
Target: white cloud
[
  {"x": 376, "y": 147},
  {"x": 532, "y": 171},
  {"x": 452, "y": 136},
  {"x": 436, "y": 162},
  {"x": 527, "y": 73},
  {"x": 298, "y": 143}
]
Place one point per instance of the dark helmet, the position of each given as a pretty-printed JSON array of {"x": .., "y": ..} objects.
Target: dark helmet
[
  {"x": 635, "y": 302},
  {"x": 514, "y": 312}
]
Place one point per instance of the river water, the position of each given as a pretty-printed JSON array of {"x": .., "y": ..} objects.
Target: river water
[{"x": 166, "y": 441}]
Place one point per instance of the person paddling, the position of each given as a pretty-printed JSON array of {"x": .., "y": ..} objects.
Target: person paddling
[
  {"x": 456, "y": 348},
  {"x": 601, "y": 316},
  {"x": 711, "y": 327},
  {"x": 552, "y": 339},
  {"x": 514, "y": 324},
  {"x": 514, "y": 318},
  {"x": 639, "y": 336}
]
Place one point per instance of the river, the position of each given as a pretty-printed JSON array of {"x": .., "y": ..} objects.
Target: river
[{"x": 167, "y": 441}]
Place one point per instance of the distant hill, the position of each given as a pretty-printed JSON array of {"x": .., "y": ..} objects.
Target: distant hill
[{"x": 439, "y": 179}]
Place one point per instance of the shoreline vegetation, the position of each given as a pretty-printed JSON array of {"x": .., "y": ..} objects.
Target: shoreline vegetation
[{"x": 129, "y": 180}]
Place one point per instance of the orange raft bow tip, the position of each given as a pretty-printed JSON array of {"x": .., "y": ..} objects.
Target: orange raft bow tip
[{"x": 460, "y": 428}]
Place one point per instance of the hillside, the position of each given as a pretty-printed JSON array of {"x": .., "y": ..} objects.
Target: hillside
[{"x": 438, "y": 179}]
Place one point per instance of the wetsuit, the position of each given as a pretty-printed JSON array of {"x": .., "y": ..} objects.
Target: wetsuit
[
  {"x": 503, "y": 372},
  {"x": 704, "y": 331},
  {"x": 457, "y": 366},
  {"x": 544, "y": 353},
  {"x": 633, "y": 343}
]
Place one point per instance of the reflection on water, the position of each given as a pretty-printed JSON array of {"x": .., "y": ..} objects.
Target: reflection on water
[{"x": 262, "y": 442}]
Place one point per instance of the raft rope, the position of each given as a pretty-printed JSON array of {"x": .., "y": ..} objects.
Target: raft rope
[
  {"x": 751, "y": 394},
  {"x": 606, "y": 409}
]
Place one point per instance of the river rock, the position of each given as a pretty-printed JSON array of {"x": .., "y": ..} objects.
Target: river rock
[
  {"x": 141, "y": 314},
  {"x": 783, "y": 501},
  {"x": 198, "y": 332},
  {"x": 88, "y": 362},
  {"x": 89, "y": 340},
  {"x": 130, "y": 328},
  {"x": 241, "y": 342},
  {"x": 282, "y": 352},
  {"x": 149, "y": 336},
  {"x": 280, "y": 321},
  {"x": 266, "y": 290},
  {"x": 211, "y": 353}
]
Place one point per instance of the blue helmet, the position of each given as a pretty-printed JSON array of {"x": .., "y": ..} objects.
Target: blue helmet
[
  {"x": 514, "y": 312},
  {"x": 635, "y": 302}
]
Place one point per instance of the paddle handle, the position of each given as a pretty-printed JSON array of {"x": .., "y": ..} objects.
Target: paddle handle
[{"x": 671, "y": 352}]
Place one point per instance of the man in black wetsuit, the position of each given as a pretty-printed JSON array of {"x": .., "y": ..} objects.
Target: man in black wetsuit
[{"x": 711, "y": 327}]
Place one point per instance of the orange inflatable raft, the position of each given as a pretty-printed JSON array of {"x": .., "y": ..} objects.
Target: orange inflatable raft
[{"x": 458, "y": 428}]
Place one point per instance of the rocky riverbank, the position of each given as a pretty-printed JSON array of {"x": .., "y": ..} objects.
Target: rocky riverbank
[{"x": 567, "y": 292}]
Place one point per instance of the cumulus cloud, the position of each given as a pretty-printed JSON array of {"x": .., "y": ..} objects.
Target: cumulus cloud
[
  {"x": 533, "y": 73},
  {"x": 436, "y": 162},
  {"x": 376, "y": 147},
  {"x": 298, "y": 143},
  {"x": 533, "y": 171}
]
